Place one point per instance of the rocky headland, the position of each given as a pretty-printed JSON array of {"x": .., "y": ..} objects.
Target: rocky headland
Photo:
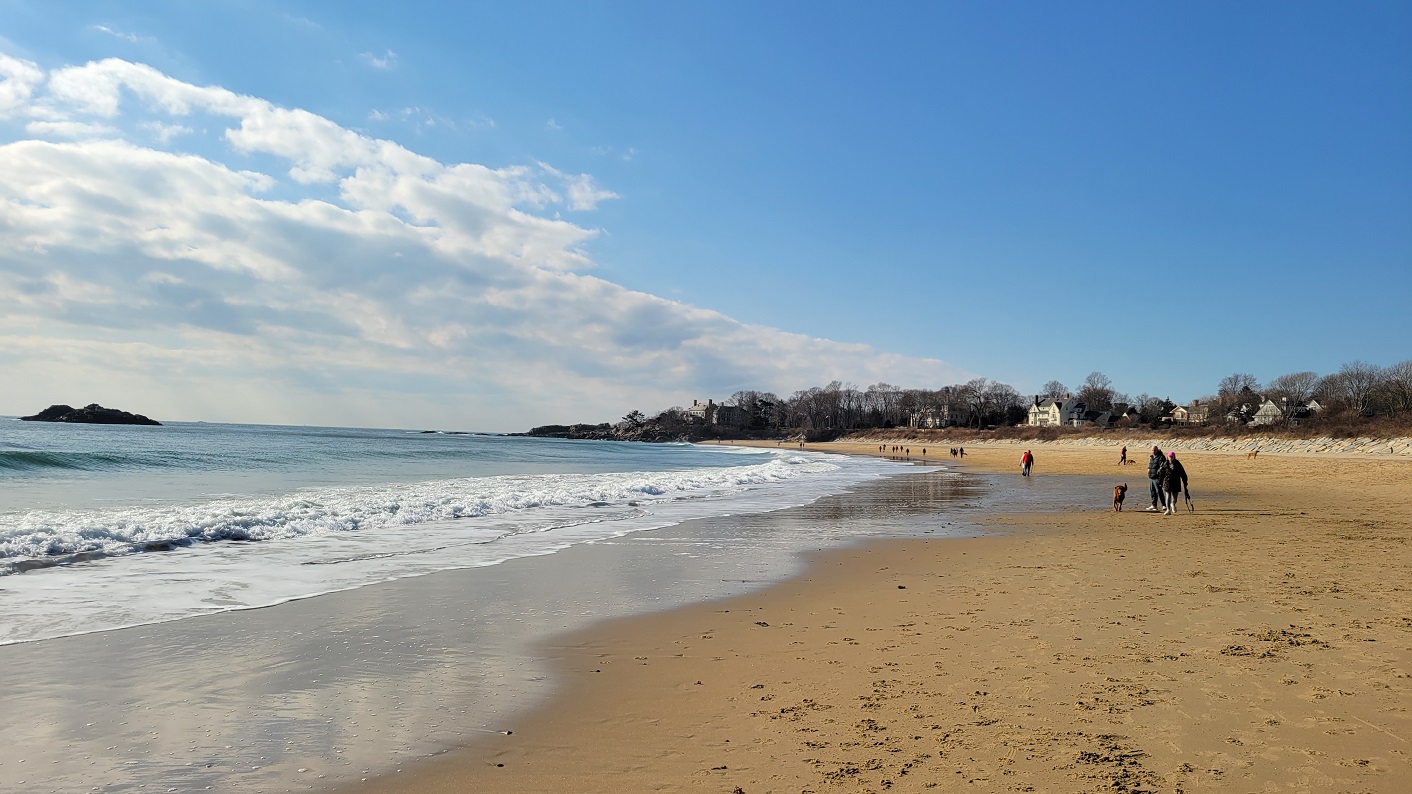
[
  {"x": 647, "y": 431},
  {"x": 91, "y": 414}
]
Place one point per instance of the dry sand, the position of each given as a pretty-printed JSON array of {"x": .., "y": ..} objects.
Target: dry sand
[{"x": 1262, "y": 643}]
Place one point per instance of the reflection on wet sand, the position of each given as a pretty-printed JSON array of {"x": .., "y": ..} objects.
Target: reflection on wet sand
[{"x": 340, "y": 686}]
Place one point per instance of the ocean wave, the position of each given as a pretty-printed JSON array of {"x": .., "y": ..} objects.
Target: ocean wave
[
  {"x": 46, "y": 537},
  {"x": 24, "y": 460}
]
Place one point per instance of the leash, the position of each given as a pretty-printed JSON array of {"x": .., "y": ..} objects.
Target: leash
[{"x": 1191, "y": 508}]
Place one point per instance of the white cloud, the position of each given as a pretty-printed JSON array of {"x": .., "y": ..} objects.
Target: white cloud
[
  {"x": 360, "y": 281},
  {"x": 17, "y": 83},
  {"x": 581, "y": 191},
  {"x": 164, "y": 132},
  {"x": 386, "y": 61},
  {"x": 131, "y": 38},
  {"x": 76, "y": 130}
]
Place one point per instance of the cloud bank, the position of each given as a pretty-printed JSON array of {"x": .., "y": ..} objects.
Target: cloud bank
[{"x": 188, "y": 252}]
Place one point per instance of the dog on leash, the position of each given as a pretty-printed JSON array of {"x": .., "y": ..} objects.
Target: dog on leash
[
  {"x": 1119, "y": 492},
  {"x": 1251, "y": 454}
]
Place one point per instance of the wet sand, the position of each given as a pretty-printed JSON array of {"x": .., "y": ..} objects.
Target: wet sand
[
  {"x": 1262, "y": 642},
  {"x": 330, "y": 689}
]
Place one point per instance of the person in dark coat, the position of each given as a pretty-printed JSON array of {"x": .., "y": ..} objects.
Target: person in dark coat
[
  {"x": 1173, "y": 481},
  {"x": 1155, "y": 464}
]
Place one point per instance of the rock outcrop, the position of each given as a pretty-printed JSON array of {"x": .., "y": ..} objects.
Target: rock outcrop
[
  {"x": 647, "y": 431},
  {"x": 92, "y": 414}
]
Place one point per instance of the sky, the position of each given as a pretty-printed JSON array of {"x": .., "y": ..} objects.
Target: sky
[{"x": 493, "y": 216}]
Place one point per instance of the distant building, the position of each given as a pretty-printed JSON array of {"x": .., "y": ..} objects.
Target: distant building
[
  {"x": 934, "y": 416},
  {"x": 1125, "y": 415},
  {"x": 1194, "y": 414},
  {"x": 1271, "y": 412},
  {"x": 1240, "y": 413},
  {"x": 712, "y": 414},
  {"x": 1055, "y": 411},
  {"x": 703, "y": 412},
  {"x": 1086, "y": 418},
  {"x": 1267, "y": 414},
  {"x": 730, "y": 415}
]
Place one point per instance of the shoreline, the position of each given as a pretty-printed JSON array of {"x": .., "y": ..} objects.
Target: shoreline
[
  {"x": 1263, "y": 640},
  {"x": 321, "y": 691}
]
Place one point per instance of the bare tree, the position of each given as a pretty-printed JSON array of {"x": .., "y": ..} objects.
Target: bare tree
[
  {"x": 973, "y": 394},
  {"x": 1053, "y": 389},
  {"x": 884, "y": 399},
  {"x": 1354, "y": 385},
  {"x": 1005, "y": 403},
  {"x": 1149, "y": 408},
  {"x": 1097, "y": 392},
  {"x": 1297, "y": 387},
  {"x": 1396, "y": 392},
  {"x": 1234, "y": 384}
]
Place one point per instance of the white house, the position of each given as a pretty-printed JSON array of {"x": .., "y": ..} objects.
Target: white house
[
  {"x": 1271, "y": 412},
  {"x": 1056, "y": 411},
  {"x": 712, "y": 413},
  {"x": 705, "y": 412}
]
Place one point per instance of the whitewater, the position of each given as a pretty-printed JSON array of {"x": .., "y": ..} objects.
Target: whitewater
[{"x": 104, "y": 527}]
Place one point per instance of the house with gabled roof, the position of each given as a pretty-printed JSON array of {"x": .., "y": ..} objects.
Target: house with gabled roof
[
  {"x": 1055, "y": 411},
  {"x": 1087, "y": 418},
  {"x": 1271, "y": 412},
  {"x": 1196, "y": 414}
]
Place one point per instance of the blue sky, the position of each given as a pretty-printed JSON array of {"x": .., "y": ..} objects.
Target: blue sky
[{"x": 430, "y": 215}]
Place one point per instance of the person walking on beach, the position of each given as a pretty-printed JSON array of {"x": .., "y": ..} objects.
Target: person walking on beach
[
  {"x": 1155, "y": 466},
  {"x": 1123, "y": 458},
  {"x": 1173, "y": 481},
  {"x": 1026, "y": 461}
]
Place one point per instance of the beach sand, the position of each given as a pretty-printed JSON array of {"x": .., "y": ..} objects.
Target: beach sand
[{"x": 1261, "y": 643}]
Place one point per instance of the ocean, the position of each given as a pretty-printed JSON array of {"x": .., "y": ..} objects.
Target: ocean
[
  {"x": 254, "y": 608},
  {"x": 106, "y": 526}
]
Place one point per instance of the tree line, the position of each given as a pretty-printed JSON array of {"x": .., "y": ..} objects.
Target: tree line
[{"x": 1356, "y": 390}]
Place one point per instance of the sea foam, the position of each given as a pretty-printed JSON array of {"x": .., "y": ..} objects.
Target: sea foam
[{"x": 79, "y": 571}]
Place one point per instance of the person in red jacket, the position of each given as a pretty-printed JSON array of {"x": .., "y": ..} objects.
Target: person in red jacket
[{"x": 1026, "y": 461}]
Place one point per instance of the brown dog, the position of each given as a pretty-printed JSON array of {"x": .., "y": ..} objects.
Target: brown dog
[
  {"x": 1250, "y": 455},
  {"x": 1119, "y": 492}
]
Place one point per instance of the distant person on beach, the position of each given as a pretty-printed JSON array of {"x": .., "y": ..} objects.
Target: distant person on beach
[
  {"x": 963, "y": 452},
  {"x": 1026, "y": 461},
  {"x": 1156, "y": 464},
  {"x": 1173, "y": 481},
  {"x": 1123, "y": 458}
]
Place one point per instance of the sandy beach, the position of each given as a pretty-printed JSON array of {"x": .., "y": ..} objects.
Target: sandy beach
[{"x": 1260, "y": 643}]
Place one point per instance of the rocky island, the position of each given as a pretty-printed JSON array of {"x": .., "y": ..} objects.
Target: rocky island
[{"x": 92, "y": 414}]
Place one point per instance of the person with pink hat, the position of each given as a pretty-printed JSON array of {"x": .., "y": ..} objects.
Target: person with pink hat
[{"x": 1173, "y": 481}]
